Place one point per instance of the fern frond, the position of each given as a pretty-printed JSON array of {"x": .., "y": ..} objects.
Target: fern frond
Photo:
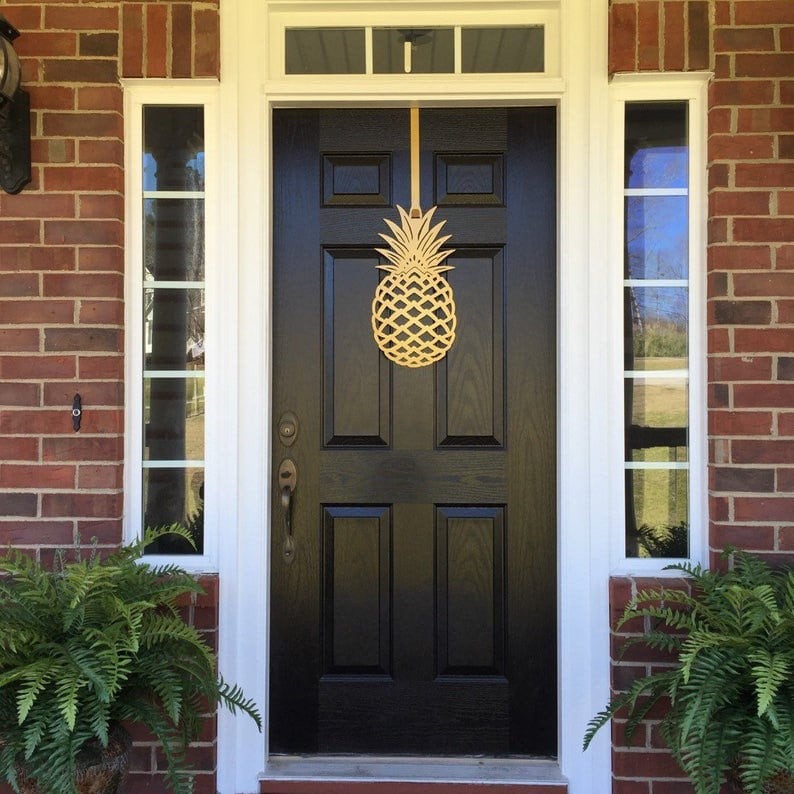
[
  {"x": 33, "y": 679},
  {"x": 770, "y": 672},
  {"x": 602, "y": 718},
  {"x": 97, "y": 716},
  {"x": 759, "y": 758},
  {"x": 168, "y": 631},
  {"x": 66, "y": 691},
  {"x": 33, "y": 733},
  {"x": 706, "y": 756},
  {"x": 643, "y": 694},
  {"x": 233, "y": 698},
  {"x": 146, "y": 712}
]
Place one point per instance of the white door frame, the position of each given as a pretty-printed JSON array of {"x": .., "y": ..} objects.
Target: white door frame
[{"x": 585, "y": 410}]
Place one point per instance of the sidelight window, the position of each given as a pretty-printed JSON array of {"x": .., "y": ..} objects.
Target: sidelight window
[
  {"x": 169, "y": 208},
  {"x": 662, "y": 347}
]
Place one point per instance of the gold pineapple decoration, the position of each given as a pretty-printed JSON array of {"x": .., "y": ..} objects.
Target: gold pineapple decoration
[{"x": 413, "y": 312}]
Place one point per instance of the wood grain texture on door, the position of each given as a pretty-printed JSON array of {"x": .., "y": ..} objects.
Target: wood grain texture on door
[{"x": 419, "y": 614}]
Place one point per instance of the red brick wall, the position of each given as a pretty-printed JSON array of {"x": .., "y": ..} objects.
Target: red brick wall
[
  {"x": 61, "y": 285},
  {"x": 749, "y": 44},
  {"x": 751, "y": 276},
  {"x": 61, "y": 277},
  {"x": 62, "y": 259},
  {"x": 645, "y": 766},
  {"x": 658, "y": 35},
  {"x": 147, "y": 763}
]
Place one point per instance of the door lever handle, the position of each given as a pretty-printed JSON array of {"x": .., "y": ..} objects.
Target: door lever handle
[
  {"x": 286, "y": 500},
  {"x": 287, "y": 481}
]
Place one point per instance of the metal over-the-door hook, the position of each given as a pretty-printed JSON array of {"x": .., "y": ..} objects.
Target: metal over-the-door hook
[{"x": 77, "y": 412}]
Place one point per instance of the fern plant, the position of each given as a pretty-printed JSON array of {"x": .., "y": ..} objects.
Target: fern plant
[
  {"x": 730, "y": 695},
  {"x": 96, "y": 642}
]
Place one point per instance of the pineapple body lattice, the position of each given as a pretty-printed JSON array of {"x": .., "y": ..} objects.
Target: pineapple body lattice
[
  {"x": 413, "y": 317},
  {"x": 413, "y": 312}
]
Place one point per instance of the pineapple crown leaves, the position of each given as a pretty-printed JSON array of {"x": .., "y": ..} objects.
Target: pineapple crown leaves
[
  {"x": 729, "y": 694},
  {"x": 415, "y": 243},
  {"x": 94, "y": 641}
]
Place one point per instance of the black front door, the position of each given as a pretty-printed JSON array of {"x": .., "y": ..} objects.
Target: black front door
[{"x": 418, "y": 613}]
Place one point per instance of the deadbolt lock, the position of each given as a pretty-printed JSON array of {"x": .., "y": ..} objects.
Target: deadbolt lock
[{"x": 288, "y": 428}]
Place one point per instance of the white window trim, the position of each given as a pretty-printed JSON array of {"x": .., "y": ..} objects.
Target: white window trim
[
  {"x": 137, "y": 94},
  {"x": 432, "y": 13},
  {"x": 581, "y": 93},
  {"x": 692, "y": 88}
]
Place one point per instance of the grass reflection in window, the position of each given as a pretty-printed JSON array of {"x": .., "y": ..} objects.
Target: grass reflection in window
[{"x": 656, "y": 357}]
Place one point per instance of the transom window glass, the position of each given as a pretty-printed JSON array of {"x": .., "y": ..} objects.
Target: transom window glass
[
  {"x": 173, "y": 289},
  {"x": 325, "y": 51},
  {"x": 414, "y": 50},
  {"x": 510, "y": 49},
  {"x": 420, "y": 50},
  {"x": 656, "y": 329}
]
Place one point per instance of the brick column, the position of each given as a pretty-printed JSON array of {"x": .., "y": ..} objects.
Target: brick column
[
  {"x": 62, "y": 281},
  {"x": 751, "y": 277}
]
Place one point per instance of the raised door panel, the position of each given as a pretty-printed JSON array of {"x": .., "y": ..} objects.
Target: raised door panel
[
  {"x": 357, "y": 379},
  {"x": 470, "y": 379},
  {"x": 354, "y": 180},
  {"x": 470, "y": 591},
  {"x": 357, "y": 590}
]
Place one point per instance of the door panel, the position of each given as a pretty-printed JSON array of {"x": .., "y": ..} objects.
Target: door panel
[
  {"x": 418, "y": 615},
  {"x": 357, "y": 394},
  {"x": 470, "y": 378}
]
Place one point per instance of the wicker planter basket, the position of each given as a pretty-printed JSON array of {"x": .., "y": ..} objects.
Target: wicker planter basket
[
  {"x": 100, "y": 770},
  {"x": 781, "y": 783}
]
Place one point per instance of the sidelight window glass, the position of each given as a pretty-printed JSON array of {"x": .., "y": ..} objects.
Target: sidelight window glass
[
  {"x": 173, "y": 322},
  {"x": 656, "y": 308}
]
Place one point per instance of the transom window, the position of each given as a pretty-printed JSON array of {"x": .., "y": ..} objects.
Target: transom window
[
  {"x": 414, "y": 50},
  {"x": 436, "y": 40}
]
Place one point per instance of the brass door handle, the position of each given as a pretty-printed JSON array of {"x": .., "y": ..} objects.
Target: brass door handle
[{"x": 287, "y": 482}]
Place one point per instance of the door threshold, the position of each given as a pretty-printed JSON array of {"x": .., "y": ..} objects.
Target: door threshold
[{"x": 374, "y": 773}]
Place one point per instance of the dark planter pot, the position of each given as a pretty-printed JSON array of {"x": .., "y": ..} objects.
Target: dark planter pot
[
  {"x": 100, "y": 770},
  {"x": 781, "y": 783}
]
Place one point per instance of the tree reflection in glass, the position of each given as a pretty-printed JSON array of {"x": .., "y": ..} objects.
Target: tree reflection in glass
[
  {"x": 173, "y": 321},
  {"x": 656, "y": 296}
]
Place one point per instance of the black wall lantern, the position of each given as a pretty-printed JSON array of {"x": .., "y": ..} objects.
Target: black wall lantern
[{"x": 14, "y": 115}]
